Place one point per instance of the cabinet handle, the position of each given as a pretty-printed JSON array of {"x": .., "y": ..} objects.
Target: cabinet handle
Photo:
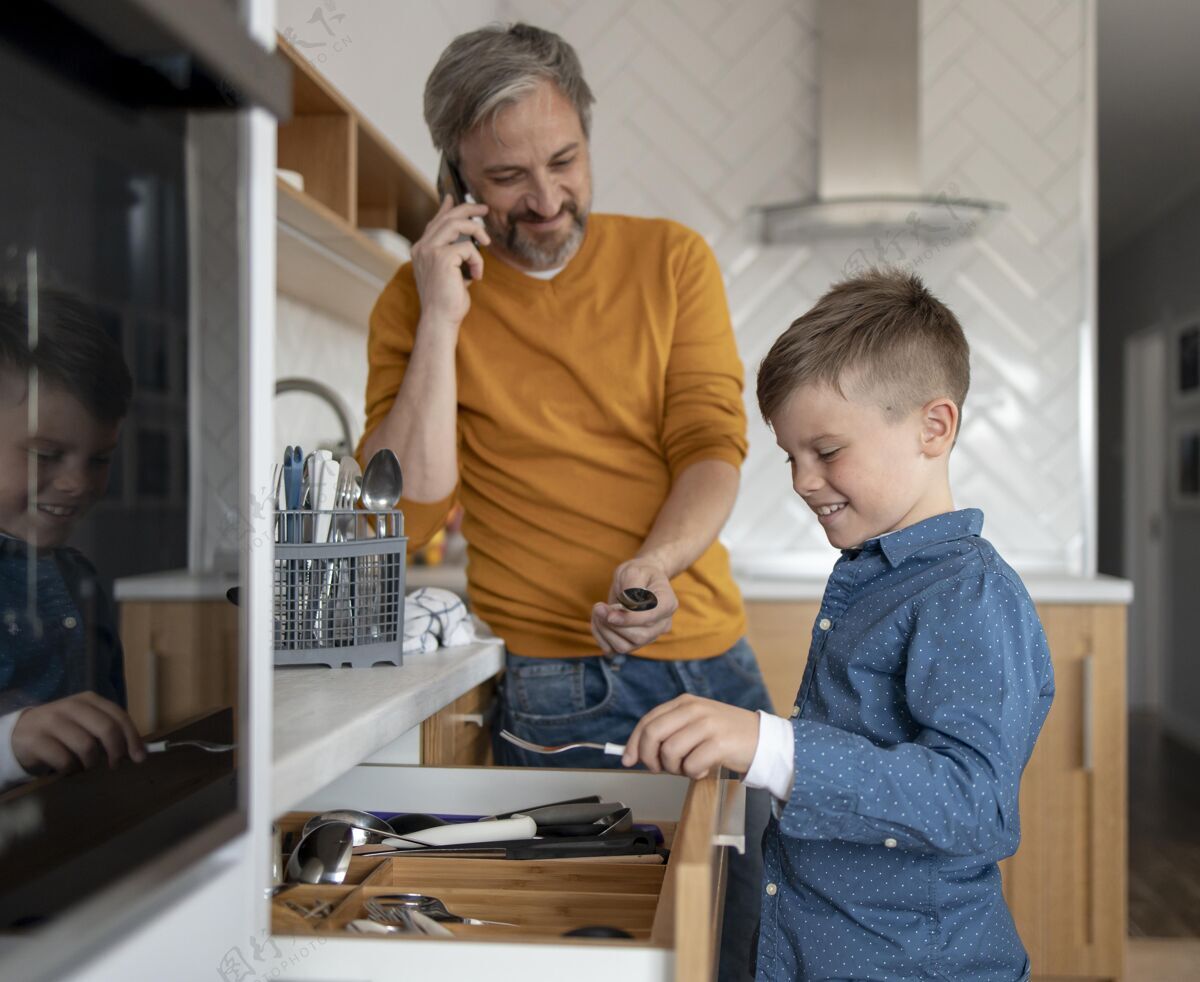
[
  {"x": 482, "y": 720},
  {"x": 1086, "y": 721},
  {"x": 152, "y": 673},
  {"x": 731, "y": 822}
]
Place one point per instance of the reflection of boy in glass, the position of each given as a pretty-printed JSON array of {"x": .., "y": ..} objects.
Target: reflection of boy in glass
[{"x": 64, "y": 389}]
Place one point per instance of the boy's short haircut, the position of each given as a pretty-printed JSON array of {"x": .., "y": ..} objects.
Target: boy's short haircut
[
  {"x": 881, "y": 336},
  {"x": 73, "y": 352}
]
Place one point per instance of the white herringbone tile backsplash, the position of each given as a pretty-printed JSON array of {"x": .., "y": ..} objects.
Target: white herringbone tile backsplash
[
  {"x": 1004, "y": 99},
  {"x": 707, "y": 107},
  {"x": 312, "y": 344}
]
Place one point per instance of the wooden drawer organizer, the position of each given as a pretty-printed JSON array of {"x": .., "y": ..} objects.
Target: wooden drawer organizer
[
  {"x": 542, "y": 899},
  {"x": 670, "y": 909}
]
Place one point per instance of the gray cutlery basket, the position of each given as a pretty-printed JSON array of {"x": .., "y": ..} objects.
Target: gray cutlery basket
[{"x": 338, "y": 603}]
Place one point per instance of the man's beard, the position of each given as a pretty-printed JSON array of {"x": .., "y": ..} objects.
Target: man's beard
[{"x": 528, "y": 249}]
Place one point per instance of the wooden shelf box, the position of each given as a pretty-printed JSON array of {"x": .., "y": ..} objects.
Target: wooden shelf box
[{"x": 353, "y": 178}]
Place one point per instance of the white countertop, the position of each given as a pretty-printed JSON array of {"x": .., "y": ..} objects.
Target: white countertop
[
  {"x": 1050, "y": 588},
  {"x": 1046, "y": 588},
  {"x": 447, "y": 576},
  {"x": 326, "y": 720},
  {"x": 174, "y": 584}
]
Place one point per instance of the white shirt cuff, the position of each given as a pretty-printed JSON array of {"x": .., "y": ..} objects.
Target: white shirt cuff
[
  {"x": 11, "y": 771},
  {"x": 773, "y": 766}
]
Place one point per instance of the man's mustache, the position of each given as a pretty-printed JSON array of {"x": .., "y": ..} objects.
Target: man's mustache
[{"x": 528, "y": 215}]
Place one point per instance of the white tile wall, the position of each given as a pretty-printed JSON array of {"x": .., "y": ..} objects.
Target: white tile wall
[
  {"x": 378, "y": 55},
  {"x": 706, "y": 107},
  {"x": 311, "y": 344},
  {"x": 1006, "y": 115}
]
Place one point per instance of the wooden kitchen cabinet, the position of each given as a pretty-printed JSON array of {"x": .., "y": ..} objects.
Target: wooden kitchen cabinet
[
  {"x": 779, "y": 633},
  {"x": 181, "y": 659},
  {"x": 460, "y": 734},
  {"x": 1066, "y": 886}
]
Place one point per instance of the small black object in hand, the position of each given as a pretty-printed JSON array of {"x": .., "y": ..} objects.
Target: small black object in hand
[{"x": 635, "y": 598}]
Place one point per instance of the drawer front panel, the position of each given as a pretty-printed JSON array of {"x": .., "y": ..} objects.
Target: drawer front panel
[
  {"x": 316, "y": 959},
  {"x": 492, "y": 790}
]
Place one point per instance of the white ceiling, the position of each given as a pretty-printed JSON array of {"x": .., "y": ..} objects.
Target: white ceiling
[{"x": 1149, "y": 111}]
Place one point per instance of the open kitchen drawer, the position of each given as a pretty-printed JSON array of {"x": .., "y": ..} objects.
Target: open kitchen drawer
[{"x": 672, "y": 911}]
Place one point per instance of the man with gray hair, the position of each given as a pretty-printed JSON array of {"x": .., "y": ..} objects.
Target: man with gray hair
[{"x": 573, "y": 380}]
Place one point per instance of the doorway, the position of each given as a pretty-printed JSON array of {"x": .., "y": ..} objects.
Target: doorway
[
  {"x": 1164, "y": 774},
  {"x": 1145, "y": 513}
]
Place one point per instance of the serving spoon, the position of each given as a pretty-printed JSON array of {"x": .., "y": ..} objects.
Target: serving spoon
[{"x": 362, "y": 824}]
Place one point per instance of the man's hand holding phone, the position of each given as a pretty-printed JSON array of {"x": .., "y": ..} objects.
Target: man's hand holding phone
[{"x": 440, "y": 256}]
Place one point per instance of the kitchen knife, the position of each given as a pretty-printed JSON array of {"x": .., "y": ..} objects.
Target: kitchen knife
[
  {"x": 576, "y": 847},
  {"x": 629, "y": 844},
  {"x": 574, "y": 814}
]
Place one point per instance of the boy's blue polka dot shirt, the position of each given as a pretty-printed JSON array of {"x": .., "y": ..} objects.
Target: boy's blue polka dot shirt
[{"x": 927, "y": 683}]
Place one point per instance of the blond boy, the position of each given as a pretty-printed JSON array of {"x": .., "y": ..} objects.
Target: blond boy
[
  {"x": 895, "y": 775},
  {"x": 64, "y": 390}
]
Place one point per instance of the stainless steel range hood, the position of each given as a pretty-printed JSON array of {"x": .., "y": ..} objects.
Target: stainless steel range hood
[{"x": 868, "y": 181}]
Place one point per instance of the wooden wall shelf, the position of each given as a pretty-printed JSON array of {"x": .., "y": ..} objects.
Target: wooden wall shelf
[
  {"x": 324, "y": 261},
  {"x": 353, "y": 178}
]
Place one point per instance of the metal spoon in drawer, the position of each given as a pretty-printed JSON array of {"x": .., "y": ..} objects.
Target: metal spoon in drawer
[
  {"x": 363, "y": 824},
  {"x": 322, "y": 856},
  {"x": 423, "y": 903},
  {"x": 612, "y": 749},
  {"x": 407, "y": 824}
]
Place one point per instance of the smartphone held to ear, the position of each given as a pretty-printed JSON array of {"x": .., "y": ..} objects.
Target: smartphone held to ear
[{"x": 450, "y": 182}]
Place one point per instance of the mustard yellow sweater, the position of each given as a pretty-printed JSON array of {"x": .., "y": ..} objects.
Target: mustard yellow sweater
[{"x": 579, "y": 399}]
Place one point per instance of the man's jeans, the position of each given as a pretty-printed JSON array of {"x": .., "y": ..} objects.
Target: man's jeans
[{"x": 600, "y": 699}]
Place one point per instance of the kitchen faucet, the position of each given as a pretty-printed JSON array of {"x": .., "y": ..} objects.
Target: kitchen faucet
[{"x": 335, "y": 402}]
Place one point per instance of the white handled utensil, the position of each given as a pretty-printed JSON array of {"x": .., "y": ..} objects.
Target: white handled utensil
[
  {"x": 325, "y": 487},
  {"x": 460, "y": 833},
  {"x": 612, "y": 749}
]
